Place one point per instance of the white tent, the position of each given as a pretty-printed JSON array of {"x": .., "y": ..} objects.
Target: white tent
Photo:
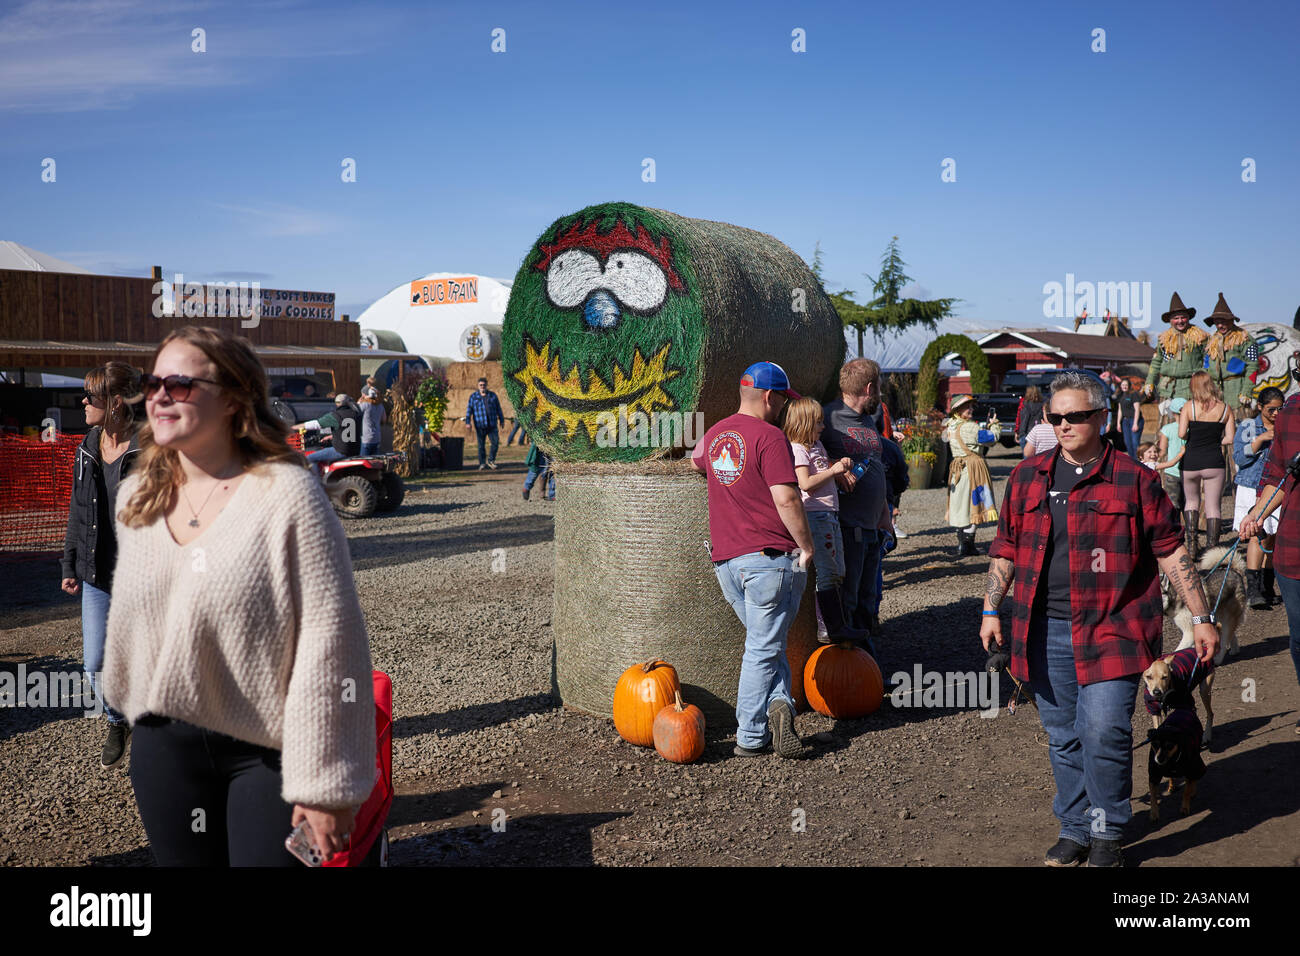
[
  {"x": 431, "y": 312},
  {"x": 14, "y": 255},
  {"x": 901, "y": 351}
]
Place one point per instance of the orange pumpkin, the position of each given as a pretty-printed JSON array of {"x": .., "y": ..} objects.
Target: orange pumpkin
[
  {"x": 679, "y": 732},
  {"x": 842, "y": 680},
  {"x": 642, "y": 691}
]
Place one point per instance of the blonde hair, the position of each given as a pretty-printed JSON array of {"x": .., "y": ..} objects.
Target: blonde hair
[
  {"x": 857, "y": 374},
  {"x": 1204, "y": 390},
  {"x": 801, "y": 418},
  {"x": 259, "y": 434}
]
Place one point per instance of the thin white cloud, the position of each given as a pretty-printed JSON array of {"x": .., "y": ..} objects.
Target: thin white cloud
[
  {"x": 278, "y": 219},
  {"x": 75, "y": 55}
]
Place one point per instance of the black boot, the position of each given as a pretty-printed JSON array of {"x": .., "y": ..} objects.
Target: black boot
[
  {"x": 968, "y": 548},
  {"x": 1266, "y": 586},
  {"x": 1212, "y": 533},
  {"x": 961, "y": 544},
  {"x": 837, "y": 629},
  {"x": 1255, "y": 589},
  {"x": 1190, "y": 521}
]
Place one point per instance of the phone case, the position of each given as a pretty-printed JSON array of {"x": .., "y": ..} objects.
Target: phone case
[{"x": 302, "y": 844}]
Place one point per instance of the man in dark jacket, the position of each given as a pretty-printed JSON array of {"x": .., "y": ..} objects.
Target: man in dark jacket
[{"x": 344, "y": 424}]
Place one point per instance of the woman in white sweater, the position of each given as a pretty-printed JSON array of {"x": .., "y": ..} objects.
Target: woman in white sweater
[{"x": 237, "y": 647}]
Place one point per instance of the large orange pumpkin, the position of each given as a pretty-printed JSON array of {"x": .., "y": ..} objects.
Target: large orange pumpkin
[
  {"x": 842, "y": 680},
  {"x": 642, "y": 691},
  {"x": 679, "y": 732}
]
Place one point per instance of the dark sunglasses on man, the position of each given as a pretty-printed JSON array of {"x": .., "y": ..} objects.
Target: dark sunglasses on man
[
  {"x": 1074, "y": 418},
  {"x": 177, "y": 387}
]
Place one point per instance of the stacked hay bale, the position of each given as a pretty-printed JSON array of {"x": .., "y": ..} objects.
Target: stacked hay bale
[
  {"x": 621, "y": 313},
  {"x": 462, "y": 382}
]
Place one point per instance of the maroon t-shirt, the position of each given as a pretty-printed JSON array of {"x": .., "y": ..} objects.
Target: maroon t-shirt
[{"x": 743, "y": 457}]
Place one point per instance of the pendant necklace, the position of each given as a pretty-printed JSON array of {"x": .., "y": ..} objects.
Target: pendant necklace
[
  {"x": 194, "y": 521},
  {"x": 1079, "y": 466}
]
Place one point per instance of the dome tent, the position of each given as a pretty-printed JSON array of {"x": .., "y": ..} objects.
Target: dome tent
[{"x": 430, "y": 313}]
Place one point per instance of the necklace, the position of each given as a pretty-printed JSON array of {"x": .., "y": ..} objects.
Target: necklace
[
  {"x": 1079, "y": 465},
  {"x": 194, "y": 521}
]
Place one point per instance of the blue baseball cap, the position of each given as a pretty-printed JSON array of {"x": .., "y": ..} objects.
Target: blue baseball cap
[{"x": 768, "y": 375}]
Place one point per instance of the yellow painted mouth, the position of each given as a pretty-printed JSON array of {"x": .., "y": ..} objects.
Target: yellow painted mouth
[{"x": 564, "y": 402}]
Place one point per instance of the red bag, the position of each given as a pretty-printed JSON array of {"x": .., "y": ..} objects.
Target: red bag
[{"x": 368, "y": 827}]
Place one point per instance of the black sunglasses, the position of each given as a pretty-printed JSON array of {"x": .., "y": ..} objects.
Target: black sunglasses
[
  {"x": 1074, "y": 418},
  {"x": 88, "y": 397},
  {"x": 177, "y": 387}
]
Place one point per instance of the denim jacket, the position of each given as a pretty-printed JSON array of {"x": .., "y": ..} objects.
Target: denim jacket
[{"x": 1250, "y": 465}]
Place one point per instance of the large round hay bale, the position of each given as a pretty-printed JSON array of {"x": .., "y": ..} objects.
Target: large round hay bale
[
  {"x": 623, "y": 311},
  {"x": 633, "y": 581},
  {"x": 481, "y": 342}
]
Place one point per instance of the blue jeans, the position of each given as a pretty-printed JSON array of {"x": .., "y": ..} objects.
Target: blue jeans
[
  {"x": 1089, "y": 733},
  {"x": 534, "y": 473},
  {"x": 519, "y": 426},
  {"x": 1290, "y": 590},
  {"x": 369, "y": 448},
  {"x": 764, "y": 592},
  {"x": 861, "y": 563},
  {"x": 491, "y": 434},
  {"x": 94, "y": 632},
  {"x": 828, "y": 549},
  {"x": 1133, "y": 437}
]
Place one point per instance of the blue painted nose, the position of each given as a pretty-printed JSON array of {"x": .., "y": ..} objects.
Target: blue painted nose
[{"x": 601, "y": 310}]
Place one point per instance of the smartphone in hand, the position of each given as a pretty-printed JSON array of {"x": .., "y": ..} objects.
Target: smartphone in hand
[{"x": 302, "y": 844}]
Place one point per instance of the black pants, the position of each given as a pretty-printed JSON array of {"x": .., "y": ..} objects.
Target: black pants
[{"x": 178, "y": 769}]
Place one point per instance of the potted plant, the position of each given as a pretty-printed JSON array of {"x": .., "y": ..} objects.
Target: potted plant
[{"x": 920, "y": 443}]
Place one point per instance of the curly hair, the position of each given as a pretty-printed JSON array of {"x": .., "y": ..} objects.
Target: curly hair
[{"x": 258, "y": 433}]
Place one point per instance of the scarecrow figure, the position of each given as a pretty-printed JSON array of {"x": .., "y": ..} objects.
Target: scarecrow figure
[
  {"x": 1231, "y": 358},
  {"x": 1180, "y": 351},
  {"x": 970, "y": 487}
]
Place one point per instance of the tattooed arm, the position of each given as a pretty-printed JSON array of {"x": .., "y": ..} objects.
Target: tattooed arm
[
  {"x": 1186, "y": 583},
  {"x": 1001, "y": 571}
]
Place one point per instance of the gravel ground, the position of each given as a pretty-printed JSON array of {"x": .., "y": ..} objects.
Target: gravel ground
[{"x": 477, "y": 734}]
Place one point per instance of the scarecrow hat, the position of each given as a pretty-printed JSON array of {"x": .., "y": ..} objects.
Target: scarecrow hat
[
  {"x": 960, "y": 402},
  {"x": 1176, "y": 306},
  {"x": 1221, "y": 311}
]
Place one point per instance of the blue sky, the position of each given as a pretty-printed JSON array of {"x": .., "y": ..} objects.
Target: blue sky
[{"x": 1122, "y": 166}]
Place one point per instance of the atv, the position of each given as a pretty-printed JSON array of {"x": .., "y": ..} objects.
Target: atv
[{"x": 360, "y": 487}]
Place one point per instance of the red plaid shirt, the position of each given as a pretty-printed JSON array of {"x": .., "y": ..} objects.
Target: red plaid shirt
[
  {"x": 1120, "y": 521},
  {"x": 1286, "y": 442}
]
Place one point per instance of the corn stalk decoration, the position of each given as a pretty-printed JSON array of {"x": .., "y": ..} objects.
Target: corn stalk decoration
[{"x": 406, "y": 422}]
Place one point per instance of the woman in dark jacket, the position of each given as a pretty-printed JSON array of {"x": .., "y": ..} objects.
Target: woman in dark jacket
[
  {"x": 1031, "y": 413},
  {"x": 90, "y": 546}
]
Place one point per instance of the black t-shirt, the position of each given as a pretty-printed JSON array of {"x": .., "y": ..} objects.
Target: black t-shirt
[
  {"x": 1055, "y": 597},
  {"x": 1126, "y": 403}
]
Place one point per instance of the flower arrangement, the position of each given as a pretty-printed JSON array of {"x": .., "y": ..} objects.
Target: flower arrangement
[
  {"x": 920, "y": 441},
  {"x": 432, "y": 397}
]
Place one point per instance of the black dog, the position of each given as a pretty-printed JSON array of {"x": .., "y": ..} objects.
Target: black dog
[{"x": 1175, "y": 752}]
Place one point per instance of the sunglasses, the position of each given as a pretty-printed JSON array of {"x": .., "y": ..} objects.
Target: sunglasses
[
  {"x": 87, "y": 397},
  {"x": 1074, "y": 418},
  {"x": 177, "y": 387}
]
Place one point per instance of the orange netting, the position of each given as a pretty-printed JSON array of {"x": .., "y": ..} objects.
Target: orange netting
[{"x": 35, "y": 489}]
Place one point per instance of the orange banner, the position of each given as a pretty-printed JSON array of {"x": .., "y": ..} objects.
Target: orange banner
[{"x": 444, "y": 291}]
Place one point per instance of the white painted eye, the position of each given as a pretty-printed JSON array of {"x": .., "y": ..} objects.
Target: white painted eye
[
  {"x": 571, "y": 276},
  {"x": 636, "y": 280}
]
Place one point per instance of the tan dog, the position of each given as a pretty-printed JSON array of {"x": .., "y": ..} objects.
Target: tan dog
[{"x": 1161, "y": 686}]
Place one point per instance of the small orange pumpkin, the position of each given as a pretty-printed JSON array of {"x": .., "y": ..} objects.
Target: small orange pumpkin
[
  {"x": 642, "y": 691},
  {"x": 679, "y": 732},
  {"x": 842, "y": 681}
]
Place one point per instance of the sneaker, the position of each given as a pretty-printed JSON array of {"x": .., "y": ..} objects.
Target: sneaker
[
  {"x": 1105, "y": 853},
  {"x": 1066, "y": 853},
  {"x": 899, "y": 533},
  {"x": 492, "y": 465},
  {"x": 526, "y": 493},
  {"x": 740, "y": 751},
  {"x": 786, "y": 743},
  {"x": 482, "y": 467},
  {"x": 115, "y": 746}
]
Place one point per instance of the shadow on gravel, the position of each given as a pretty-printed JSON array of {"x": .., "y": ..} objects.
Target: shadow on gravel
[
  {"x": 429, "y": 508},
  {"x": 1261, "y": 648},
  {"x": 31, "y": 594},
  {"x": 48, "y": 699},
  {"x": 1233, "y": 806},
  {"x": 553, "y": 839},
  {"x": 473, "y": 717},
  {"x": 141, "y": 856},
  {"x": 412, "y": 546},
  {"x": 426, "y": 807}
]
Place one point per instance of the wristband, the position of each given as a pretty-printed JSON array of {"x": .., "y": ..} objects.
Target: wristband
[{"x": 989, "y": 613}]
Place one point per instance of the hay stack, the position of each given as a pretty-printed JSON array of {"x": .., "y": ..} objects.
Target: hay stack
[
  {"x": 462, "y": 382},
  {"x": 481, "y": 342},
  {"x": 619, "y": 305},
  {"x": 633, "y": 581}
]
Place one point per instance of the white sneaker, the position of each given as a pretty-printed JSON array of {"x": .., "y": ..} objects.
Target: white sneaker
[{"x": 899, "y": 532}]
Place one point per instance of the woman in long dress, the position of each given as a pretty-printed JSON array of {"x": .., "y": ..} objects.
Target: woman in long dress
[{"x": 970, "y": 487}]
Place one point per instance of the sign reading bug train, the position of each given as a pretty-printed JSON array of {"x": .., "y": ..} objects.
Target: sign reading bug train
[{"x": 247, "y": 300}]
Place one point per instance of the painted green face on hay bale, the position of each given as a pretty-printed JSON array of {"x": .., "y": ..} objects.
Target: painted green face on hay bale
[{"x": 604, "y": 320}]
